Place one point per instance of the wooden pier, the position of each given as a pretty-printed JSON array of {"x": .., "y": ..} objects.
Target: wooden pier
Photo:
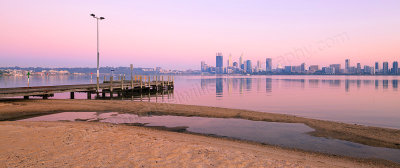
[{"x": 137, "y": 84}]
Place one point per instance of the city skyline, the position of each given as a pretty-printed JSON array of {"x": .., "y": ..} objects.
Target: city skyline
[
  {"x": 267, "y": 67},
  {"x": 177, "y": 35}
]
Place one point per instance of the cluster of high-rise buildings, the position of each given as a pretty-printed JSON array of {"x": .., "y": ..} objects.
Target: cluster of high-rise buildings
[
  {"x": 247, "y": 67},
  {"x": 240, "y": 67}
]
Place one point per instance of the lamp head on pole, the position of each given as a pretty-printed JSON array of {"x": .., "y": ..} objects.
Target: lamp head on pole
[
  {"x": 93, "y": 15},
  {"x": 101, "y": 18}
]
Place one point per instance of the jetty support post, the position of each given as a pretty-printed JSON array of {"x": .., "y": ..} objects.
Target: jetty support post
[
  {"x": 72, "y": 95},
  {"x": 89, "y": 95},
  {"x": 122, "y": 83},
  {"x": 111, "y": 86},
  {"x": 172, "y": 83},
  {"x": 132, "y": 76},
  {"x": 162, "y": 82},
  {"x": 149, "y": 82},
  {"x": 141, "y": 82},
  {"x": 156, "y": 82}
]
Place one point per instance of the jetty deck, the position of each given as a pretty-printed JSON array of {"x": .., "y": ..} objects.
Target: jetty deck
[{"x": 110, "y": 87}]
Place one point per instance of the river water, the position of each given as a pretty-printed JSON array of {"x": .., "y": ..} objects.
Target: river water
[{"x": 366, "y": 100}]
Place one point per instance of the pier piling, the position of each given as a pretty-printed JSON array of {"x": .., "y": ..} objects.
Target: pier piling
[
  {"x": 122, "y": 83},
  {"x": 111, "y": 85}
]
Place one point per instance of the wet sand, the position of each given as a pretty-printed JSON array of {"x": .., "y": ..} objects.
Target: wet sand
[
  {"x": 85, "y": 144},
  {"x": 367, "y": 135}
]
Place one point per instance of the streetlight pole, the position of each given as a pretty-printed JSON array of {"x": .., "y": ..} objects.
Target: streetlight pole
[{"x": 98, "y": 53}]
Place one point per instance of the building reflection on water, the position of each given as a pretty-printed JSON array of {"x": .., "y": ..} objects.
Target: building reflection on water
[
  {"x": 219, "y": 87},
  {"x": 248, "y": 84},
  {"x": 385, "y": 84},
  {"x": 268, "y": 85},
  {"x": 243, "y": 85}
]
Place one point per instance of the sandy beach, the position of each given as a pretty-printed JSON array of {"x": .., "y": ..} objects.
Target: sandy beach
[
  {"x": 83, "y": 144},
  {"x": 88, "y": 144},
  {"x": 368, "y": 135}
]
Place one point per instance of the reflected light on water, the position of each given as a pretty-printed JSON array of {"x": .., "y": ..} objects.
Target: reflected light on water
[{"x": 367, "y": 100}]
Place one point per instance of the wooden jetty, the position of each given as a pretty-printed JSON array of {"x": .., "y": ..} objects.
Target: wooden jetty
[{"x": 138, "y": 83}]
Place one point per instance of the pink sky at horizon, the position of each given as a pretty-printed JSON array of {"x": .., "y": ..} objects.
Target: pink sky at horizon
[{"x": 179, "y": 34}]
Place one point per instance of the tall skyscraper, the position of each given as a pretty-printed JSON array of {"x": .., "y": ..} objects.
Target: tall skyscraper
[
  {"x": 203, "y": 63},
  {"x": 376, "y": 67},
  {"x": 258, "y": 69},
  {"x": 385, "y": 67},
  {"x": 347, "y": 66},
  {"x": 241, "y": 61},
  {"x": 395, "y": 69},
  {"x": 249, "y": 67},
  {"x": 303, "y": 67},
  {"x": 358, "y": 67},
  {"x": 268, "y": 65},
  {"x": 219, "y": 65},
  {"x": 230, "y": 63}
]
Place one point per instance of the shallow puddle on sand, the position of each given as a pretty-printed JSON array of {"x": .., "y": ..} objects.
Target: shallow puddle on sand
[{"x": 293, "y": 135}]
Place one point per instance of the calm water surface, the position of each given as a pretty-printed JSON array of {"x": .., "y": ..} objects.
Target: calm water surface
[{"x": 367, "y": 100}]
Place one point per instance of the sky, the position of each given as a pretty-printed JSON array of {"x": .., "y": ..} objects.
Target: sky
[{"x": 179, "y": 34}]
